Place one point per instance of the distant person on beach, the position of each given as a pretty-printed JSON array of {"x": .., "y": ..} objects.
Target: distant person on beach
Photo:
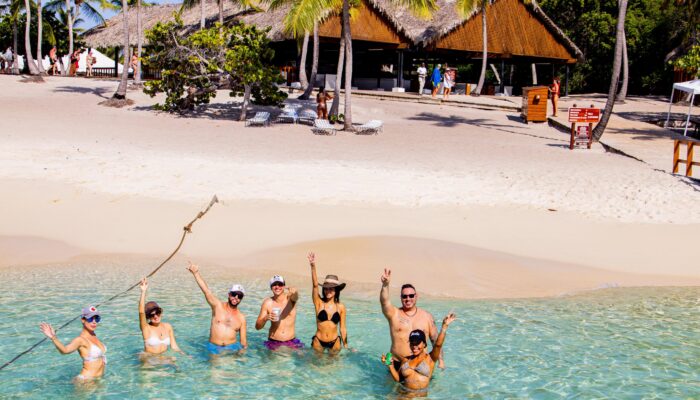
[
  {"x": 89, "y": 62},
  {"x": 554, "y": 90},
  {"x": 322, "y": 108},
  {"x": 330, "y": 312},
  {"x": 9, "y": 58},
  {"x": 135, "y": 65},
  {"x": 422, "y": 74},
  {"x": 74, "y": 62},
  {"x": 448, "y": 82},
  {"x": 157, "y": 335},
  {"x": 226, "y": 319},
  {"x": 281, "y": 311},
  {"x": 405, "y": 319},
  {"x": 53, "y": 59},
  {"x": 415, "y": 371},
  {"x": 91, "y": 350},
  {"x": 435, "y": 79}
]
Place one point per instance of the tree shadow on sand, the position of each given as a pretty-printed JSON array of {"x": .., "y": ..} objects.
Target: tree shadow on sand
[
  {"x": 100, "y": 92},
  {"x": 230, "y": 111}
]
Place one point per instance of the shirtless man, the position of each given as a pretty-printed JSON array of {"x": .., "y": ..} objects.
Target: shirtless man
[
  {"x": 405, "y": 319},
  {"x": 281, "y": 311},
  {"x": 226, "y": 319}
]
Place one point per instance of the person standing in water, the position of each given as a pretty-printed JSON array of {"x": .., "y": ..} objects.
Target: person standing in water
[
  {"x": 404, "y": 320},
  {"x": 91, "y": 350},
  {"x": 281, "y": 311},
  {"x": 330, "y": 312},
  {"x": 226, "y": 320},
  {"x": 157, "y": 335},
  {"x": 416, "y": 370}
]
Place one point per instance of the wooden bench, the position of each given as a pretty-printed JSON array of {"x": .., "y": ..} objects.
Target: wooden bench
[{"x": 690, "y": 147}]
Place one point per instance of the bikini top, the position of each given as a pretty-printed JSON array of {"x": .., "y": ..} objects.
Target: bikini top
[
  {"x": 96, "y": 353},
  {"x": 323, "y": 317},
  {"x": 423, "y": 368},
  {"x": 154, "y": 340}
]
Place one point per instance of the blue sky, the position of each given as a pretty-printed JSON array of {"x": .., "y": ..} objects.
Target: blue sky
[{"x": 110, "y": 13}]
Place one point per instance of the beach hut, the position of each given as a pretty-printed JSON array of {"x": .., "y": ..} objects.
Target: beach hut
[{"x": 690, "y": 87}]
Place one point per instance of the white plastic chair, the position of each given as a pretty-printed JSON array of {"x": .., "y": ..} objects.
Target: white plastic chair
[{"x": 261, "y": 118}]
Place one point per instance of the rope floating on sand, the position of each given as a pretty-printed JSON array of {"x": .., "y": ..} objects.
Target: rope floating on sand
[{"x": 187, "y": 229}]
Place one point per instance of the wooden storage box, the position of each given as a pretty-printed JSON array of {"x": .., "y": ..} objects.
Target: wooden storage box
[{"x": 535, "y": 103}]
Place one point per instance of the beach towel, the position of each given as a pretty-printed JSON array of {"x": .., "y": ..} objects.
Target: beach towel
[{"x": 436, "y": 77}]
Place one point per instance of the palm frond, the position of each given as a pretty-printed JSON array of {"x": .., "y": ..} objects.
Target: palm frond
[
  {"x": 420, "y": 8},
  {"x": 92, "y": 13},
  {"x": 465, "y": 8}
]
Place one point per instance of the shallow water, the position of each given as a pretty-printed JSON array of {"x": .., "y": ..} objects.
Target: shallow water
[{"x": 613, "y": 343}]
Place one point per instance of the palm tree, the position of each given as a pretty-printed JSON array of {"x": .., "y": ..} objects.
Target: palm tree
[
  {"x": 625, "y": 71},
  {"x": 617, "y": 61},
  {"x": 314, "y": 66},
  {"x": 39, "y": 38},
  {"x": 139, "y": 44},
  {"x": 302, "y": 63},
  {"x": 120, "y": 94},
  {"x": 33, "y": 69}
]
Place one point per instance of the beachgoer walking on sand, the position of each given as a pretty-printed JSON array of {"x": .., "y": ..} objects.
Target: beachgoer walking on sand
[
  {"x": 226, "y": 319},
  {"x": 157, "y": 335},
  {"x": 322, "y": 108},
  {"x": 405, "y": 319},
  {"x": 416, "y": 370},
  {"x": 330, "y": 312},
  {"x": 422, "y": 74},
  {"x": 89, "y": 62},
  {"x": 436, "y": 78},
  {"x": 91, "y": 350},
  {"x": 53, "y": 59},
  {"x": 554, "y": 90},
  {"x": 74, "y": 62},
  {"x": 448, "y": 82},
  {"x": 281, "y": 311},
  {"x": 9, "y": 58}
]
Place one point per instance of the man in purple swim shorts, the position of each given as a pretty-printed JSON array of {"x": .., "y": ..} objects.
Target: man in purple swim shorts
[{"x": 281, "y": 311}]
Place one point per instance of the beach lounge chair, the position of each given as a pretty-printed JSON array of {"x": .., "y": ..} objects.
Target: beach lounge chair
[
  {"x": 371, "y": 127},
  {"x": 261, "y": 118},
  {"x": 323, "y": 127},
  {"x": 289, "y": 115},
  {"x": 307, "y": 117}
]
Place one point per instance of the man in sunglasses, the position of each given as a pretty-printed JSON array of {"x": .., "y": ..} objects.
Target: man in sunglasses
[
  {"x": 226, "y": 319},
  {"x": 404, "y": 320},
  {"x": 281, "y": 311}
]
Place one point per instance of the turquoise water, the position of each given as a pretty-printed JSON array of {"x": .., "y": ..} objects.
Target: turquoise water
[{"x": 614, "y": 343}]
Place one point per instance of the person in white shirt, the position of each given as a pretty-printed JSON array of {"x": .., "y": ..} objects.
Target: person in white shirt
[{"x": 422, "y": 74}]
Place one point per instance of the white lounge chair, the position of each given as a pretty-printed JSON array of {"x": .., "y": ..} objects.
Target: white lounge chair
[
  {"x": 288, "y": 115},
  {"x": 323, "y": 127},
  {"x": 261, "y": 118},
  {"x": 307, "y": 117},
  {"x": 371, "y": 127}
]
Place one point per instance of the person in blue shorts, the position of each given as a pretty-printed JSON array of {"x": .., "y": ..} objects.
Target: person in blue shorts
[{"x": 227, "y": 321}]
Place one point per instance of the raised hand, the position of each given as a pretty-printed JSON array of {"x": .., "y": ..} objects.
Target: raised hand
[
  {"x": 386, "y": 277},
  {"x": 193, "y": 268},
  {"x": 311, "y": 257},
  {"x": 448, "y": 319},
  {"x": 47, "y": 330},
  {"x": 144, "y": 284}
]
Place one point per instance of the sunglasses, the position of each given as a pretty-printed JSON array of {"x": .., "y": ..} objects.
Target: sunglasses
[
  {"x": 408, "y": 296},
  {"x": 237, "y": 295},
  {"x": 277, "y": 284},
  {"x": 95, "y": 318},
  {"x": 155, "y": 312}
]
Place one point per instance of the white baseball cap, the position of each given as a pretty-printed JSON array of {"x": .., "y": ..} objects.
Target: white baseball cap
[
  {"x": 237, "y": 288},
  {"x": 277, "y": 278}
]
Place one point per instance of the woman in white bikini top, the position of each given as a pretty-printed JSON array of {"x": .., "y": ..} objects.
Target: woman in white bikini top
[
  {"x": 157, "y": 335},
  {"x": 88, "y": 345}
]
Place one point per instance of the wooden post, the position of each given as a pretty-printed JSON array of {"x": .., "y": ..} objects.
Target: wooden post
[
  {"x": 590, "y": 134},
  {"x": 573, "y": 136},
  {"x": 676, "y": 153},
  {"x": 689, "y": 159},
  {"x": 566, "y": 85}
]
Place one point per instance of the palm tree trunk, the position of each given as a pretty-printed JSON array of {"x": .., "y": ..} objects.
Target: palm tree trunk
[
  {"x": 70, "y": 32},
  {"x": 120, "y": 94},
  {"x": 139, "y": 45},
  {"x": 625, "y": 70},
  {"x": 39, "y": 58},
  {"x": 348, "y": 65},
  {"x": 338, "y": 76},
  {"x": 314, "y": 67},
  {"x": 33, "y": 70},
  {"x": 484, "y": 36},
  {"x": 600, "y": 128},
  {"x": 534, "y": 73},
  {"x": 15, "y": 60},
  {"x": 246, "y": 102},
  {"x": 221, "y": 12},
  {"x": 202, "y": 19},
  {"x": 302, "y": 64}
]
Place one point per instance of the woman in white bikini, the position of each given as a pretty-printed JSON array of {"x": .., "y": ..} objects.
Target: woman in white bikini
[
  {"x": 157, "y": 335},
  {"x": 330, "y": 312},
  {"x": 417, "y": 369},
  {"x": 88, "y": 345}
]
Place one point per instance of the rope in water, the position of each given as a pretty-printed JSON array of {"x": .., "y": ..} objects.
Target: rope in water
[{"x": 187, "y": 229}]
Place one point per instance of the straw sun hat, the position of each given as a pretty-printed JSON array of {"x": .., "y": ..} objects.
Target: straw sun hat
[{"x": 331, "y": 281}]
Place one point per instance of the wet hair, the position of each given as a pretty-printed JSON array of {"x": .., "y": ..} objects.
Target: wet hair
[{"x": 408, "y": 286}]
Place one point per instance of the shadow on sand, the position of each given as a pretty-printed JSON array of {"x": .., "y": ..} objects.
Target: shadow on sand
[{"x": 100, "y": 92}]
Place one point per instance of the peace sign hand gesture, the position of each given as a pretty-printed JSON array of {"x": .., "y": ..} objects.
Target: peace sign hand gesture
[{"x": 386, "y": 277}]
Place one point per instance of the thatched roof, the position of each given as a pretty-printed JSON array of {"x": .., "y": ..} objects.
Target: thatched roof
[{"x": 420, "y": 32}]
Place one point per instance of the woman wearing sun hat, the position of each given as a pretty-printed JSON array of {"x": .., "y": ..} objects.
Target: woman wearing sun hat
[
  {"x": 88, "y": 345},
  {"x": 157, "y": 335},
  {"x": 330, "y": 312}
]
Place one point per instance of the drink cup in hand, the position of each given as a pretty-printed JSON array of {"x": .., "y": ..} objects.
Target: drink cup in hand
[{"x": 276, "y": 313}]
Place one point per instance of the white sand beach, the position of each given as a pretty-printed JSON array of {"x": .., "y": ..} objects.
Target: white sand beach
[{"x": 464, "y": 202}]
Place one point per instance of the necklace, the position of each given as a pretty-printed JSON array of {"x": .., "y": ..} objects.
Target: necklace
[{"x": 410, "y": 316}]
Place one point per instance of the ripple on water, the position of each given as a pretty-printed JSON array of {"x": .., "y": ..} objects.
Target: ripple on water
[{"x": 612, "y": 343}]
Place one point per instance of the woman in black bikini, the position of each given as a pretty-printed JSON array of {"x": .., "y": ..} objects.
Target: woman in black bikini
[{"x": 330, "y": 312}]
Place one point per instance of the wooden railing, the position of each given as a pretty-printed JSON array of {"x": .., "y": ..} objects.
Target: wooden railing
[{"x": 690, "y": 147}]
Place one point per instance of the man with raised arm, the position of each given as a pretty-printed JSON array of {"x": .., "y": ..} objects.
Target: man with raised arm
[
  {"x": 226, "y": 319},
  {"x": 281, "y": 311},
  {"x": 404, "y": 320}
]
